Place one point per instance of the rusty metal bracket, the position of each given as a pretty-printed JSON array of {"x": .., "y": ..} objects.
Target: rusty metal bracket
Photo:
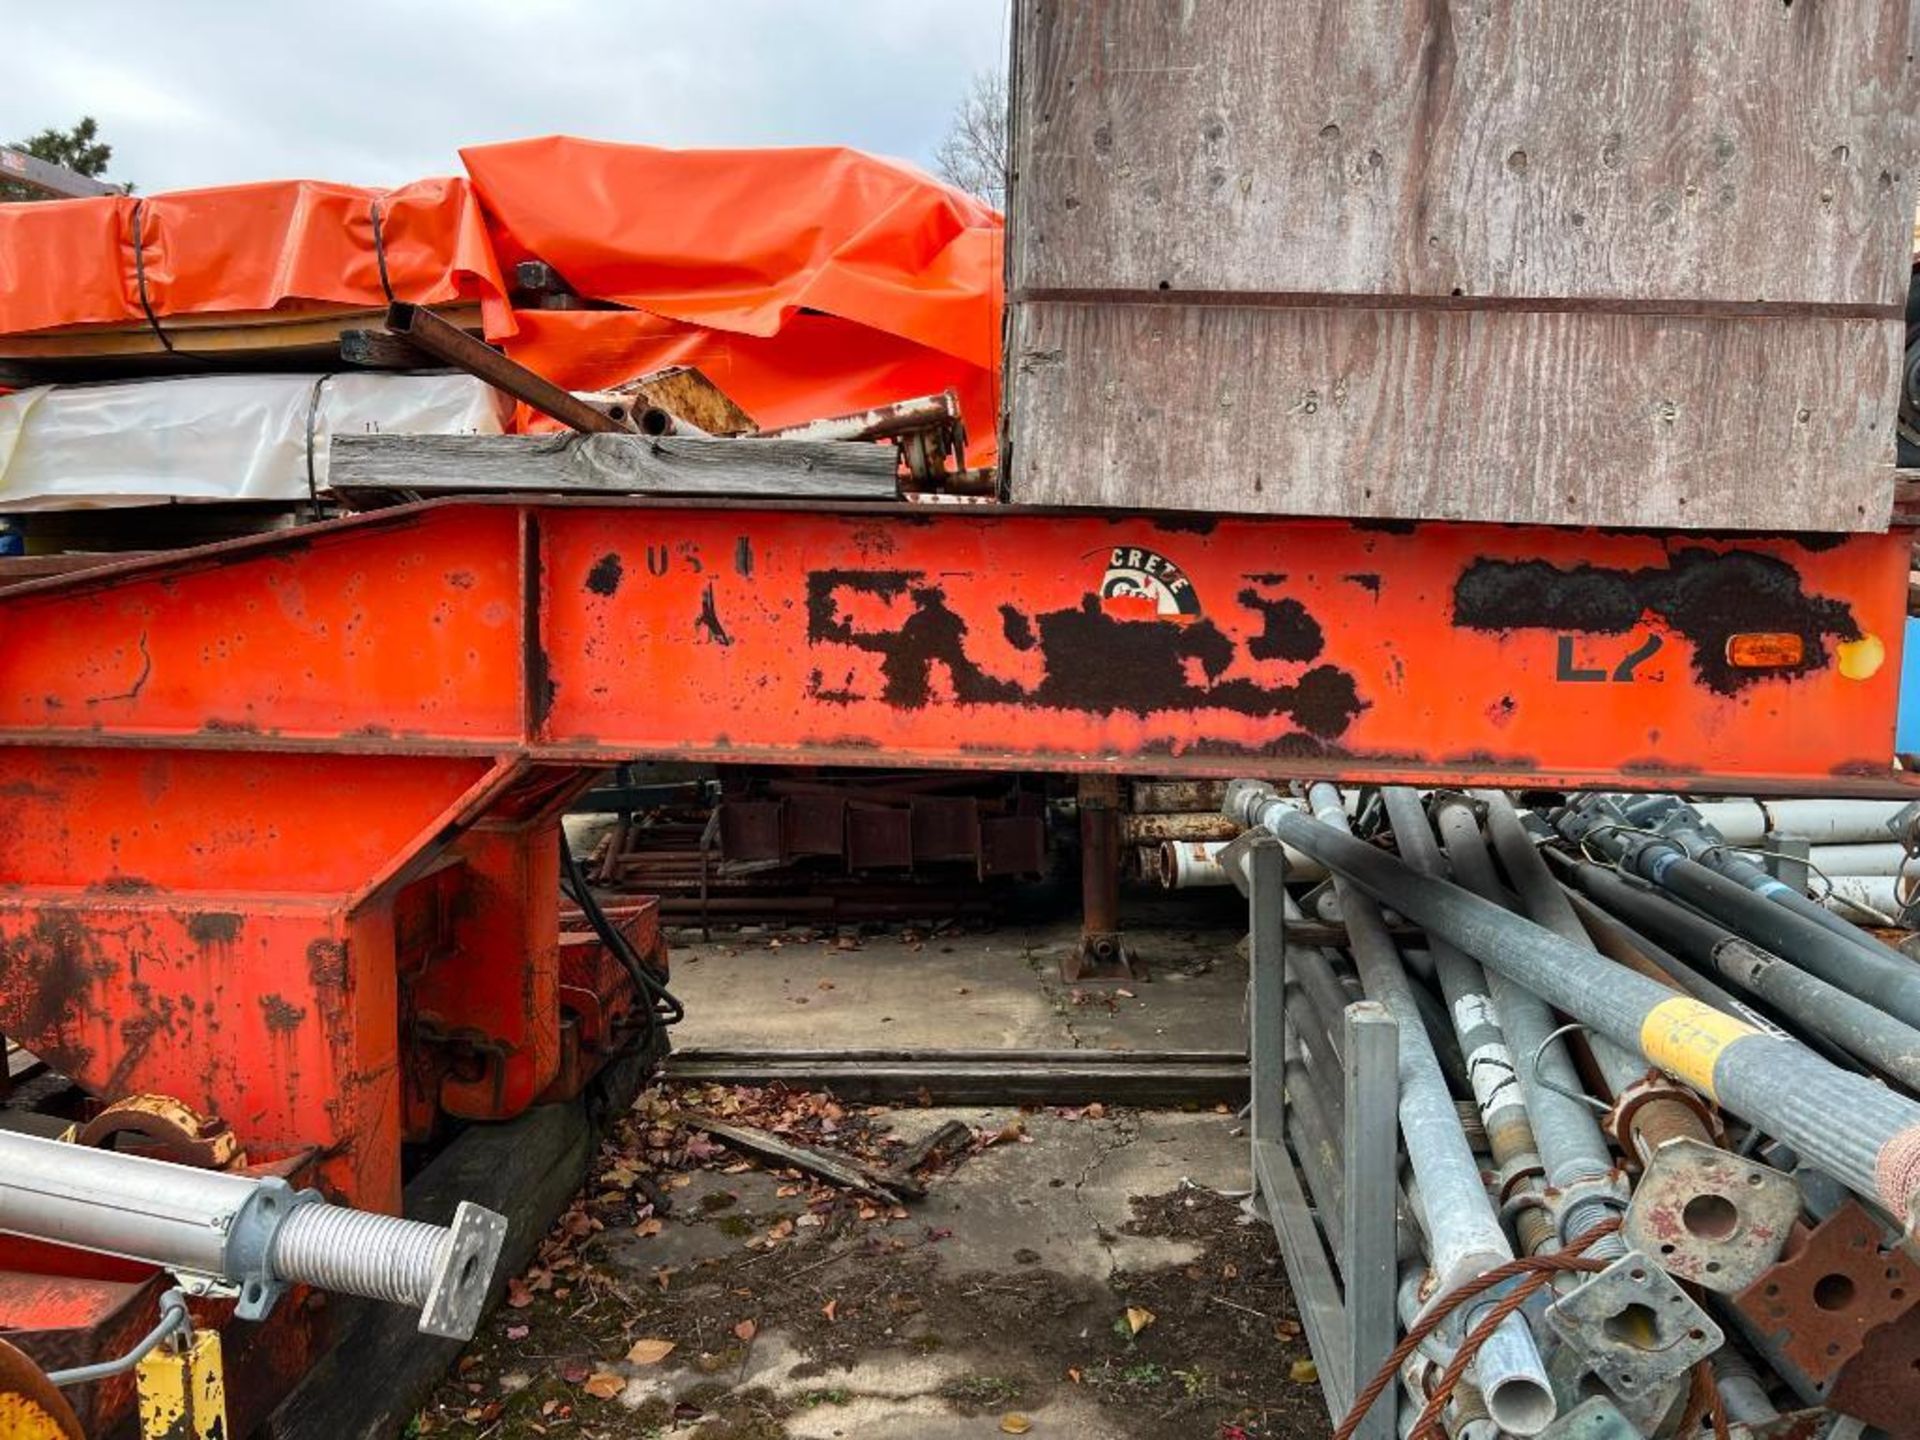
[
  {"x": 1879, "y": 1383},
  {"x": 1817, "y": 1305},
  {"x": 171, "y": 1129},
  {"x": 1711, "y": 1217},
  {"x": 1635, "y": 1326}
]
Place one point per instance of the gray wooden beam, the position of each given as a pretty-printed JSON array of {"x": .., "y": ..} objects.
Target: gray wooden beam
[{"x": 613, "y": 465}]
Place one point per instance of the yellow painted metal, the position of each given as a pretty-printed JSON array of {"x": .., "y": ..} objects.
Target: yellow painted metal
[
  {"x": 183, "y": 1391},
  {"x": 30, "y": 1407}
]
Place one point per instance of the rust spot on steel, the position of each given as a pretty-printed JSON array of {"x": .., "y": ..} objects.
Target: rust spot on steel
[
  {"x": 47, "y": 975},
  {"x": 327, "y": 966},
  {"x": 538, "y": 665},
  {"x": 282, "y": 1015},
  {"x": 215, "y": 927}
]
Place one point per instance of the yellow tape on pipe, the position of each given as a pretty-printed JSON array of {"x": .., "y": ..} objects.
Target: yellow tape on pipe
[{"x": 1685, "y": 1037}]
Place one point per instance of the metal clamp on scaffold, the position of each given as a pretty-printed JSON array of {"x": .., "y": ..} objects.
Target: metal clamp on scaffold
[{"x": 256, "y": 1234}]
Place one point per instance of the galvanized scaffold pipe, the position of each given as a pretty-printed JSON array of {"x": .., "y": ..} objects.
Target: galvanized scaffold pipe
[
  {"x": 258, "y": 1234},
  {"x": 1684, "y": 825},
  {"x": 1464, "y": 1233},
  {"x": 1846, "y": 1124},
  {"x": 1886, "y": 979},
  {"x": 1860, "y": 1029},
  {"x": 1579, "y": 1165},
  {"x": 1648, "y": 1108},
  {"x": 1491, "y": 1070},
  {"x": 1545, "y": 903}
]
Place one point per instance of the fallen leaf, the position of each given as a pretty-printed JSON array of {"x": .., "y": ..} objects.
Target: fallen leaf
[
  {"x": 518, "y": 1295},
  {"x": 1014, "y": 1423},
  {"x": 1286, "y": 1329},
  {"x": 1095, "y": 1111},
  {"x": 518, "y": 1332},
  {"x": 826, "y": 985},
  {"x": 1303, "y": 1372},
  {"x": 1073, "y": 1375},
  {"x": 646, "y": 1229},
  {"x": 746, "y": 1330},
  {"x": 649, "y": 1352},
  {"x": 830, "y": 1310},
  {"x": 1138, "y": 1319},
  {"x": 1229, "y": 1272},
  {"x": 604, "y": 1384},
  {"x": 1124, "y": 994},
  {"x": 573, "y": 1372}
]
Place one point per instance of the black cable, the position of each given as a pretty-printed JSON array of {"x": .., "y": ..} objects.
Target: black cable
[{"x": 663, "y": 1007}]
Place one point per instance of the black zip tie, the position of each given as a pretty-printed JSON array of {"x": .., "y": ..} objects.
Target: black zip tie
[
  {"x": 380, "y": 252},
  {"x": 313, "y": 421},
  {"x": 140, "y": 274}
]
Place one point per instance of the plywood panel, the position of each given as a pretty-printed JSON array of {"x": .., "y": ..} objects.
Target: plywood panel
[
  {"x": 1550, "y": 418},
  {"x": 1643, "y": 150}
]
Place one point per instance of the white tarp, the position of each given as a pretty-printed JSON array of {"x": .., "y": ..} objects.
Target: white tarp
[{"x": 215, "y": 437}]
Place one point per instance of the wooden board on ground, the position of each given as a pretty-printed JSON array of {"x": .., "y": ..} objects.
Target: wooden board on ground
[
  {"x": 1394, "y": 260},
  {"x": 1017, "y": 1077},
  {"x": 612, "y": 465},
  {"x": 381, "y": 1368}
]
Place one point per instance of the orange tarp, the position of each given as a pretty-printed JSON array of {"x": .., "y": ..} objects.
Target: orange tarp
[
  {"x": 803, "y": 281},
  {"x": 239, "y": 248}
]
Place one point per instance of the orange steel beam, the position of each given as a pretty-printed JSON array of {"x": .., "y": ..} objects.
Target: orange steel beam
[{"x": 277, "y": 817}]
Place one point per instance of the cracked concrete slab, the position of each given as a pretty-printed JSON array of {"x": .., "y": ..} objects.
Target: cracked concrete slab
[{"x": 1060, "y": 1200}]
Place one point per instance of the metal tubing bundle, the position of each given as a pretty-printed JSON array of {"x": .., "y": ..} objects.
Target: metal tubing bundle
[{"x": 1701, "y": 1089}]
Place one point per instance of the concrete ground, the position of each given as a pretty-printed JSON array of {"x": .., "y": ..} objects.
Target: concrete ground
[
  {"x": 1089, "y": 1273},
  {"x": 755, "y": 990}
]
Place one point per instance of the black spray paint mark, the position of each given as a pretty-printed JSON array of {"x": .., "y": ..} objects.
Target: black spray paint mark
[
  {"x": 1705, "y": 595},
  {"x": 604, "y": 578},
  {"x": 709, "y": 618},
  {"x": 1093, "y": 662}
]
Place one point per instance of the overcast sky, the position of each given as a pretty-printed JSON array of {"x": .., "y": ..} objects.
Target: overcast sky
[{"x": 208, "y": 92}]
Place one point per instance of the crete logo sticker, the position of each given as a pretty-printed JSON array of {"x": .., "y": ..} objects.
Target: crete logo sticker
[{"x": 1142, "y": 584}]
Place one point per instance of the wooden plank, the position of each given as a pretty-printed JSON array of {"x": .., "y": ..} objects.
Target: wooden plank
[
  {"x": 1136, "y": 1080},
  {"x": 612, "y": 465},
  {"x": 1664, "y": 149},
  {"x": 230, "y": 333},
  {"x": 1782, "y": 424},
  {"x": 783, "y": 1154}
]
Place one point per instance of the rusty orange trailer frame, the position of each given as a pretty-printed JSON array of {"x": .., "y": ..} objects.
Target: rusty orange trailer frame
[{"x": 278, "y": 817}]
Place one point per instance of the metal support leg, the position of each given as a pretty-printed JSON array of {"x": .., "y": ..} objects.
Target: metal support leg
[
  {"x": 1267, "y": 1024},
  {"x": 1103, "y": 952},
  {"x": 1372, "y": 1153}
]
